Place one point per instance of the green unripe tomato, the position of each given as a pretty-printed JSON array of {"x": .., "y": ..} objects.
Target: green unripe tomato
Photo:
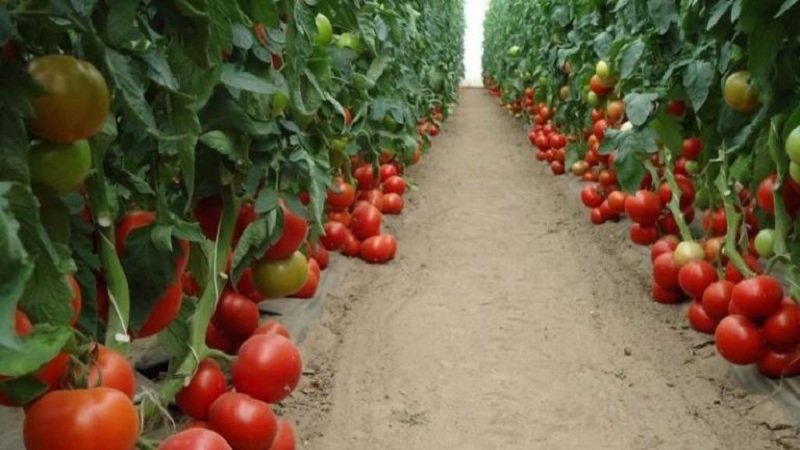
[
  {"x": 602, "y": 70},
  {"x": 513, "y": 51},
  {"x": 794, "y": 171},
  {"x": 280, "y": 101},
  {"x": 324, "y": 31},
  {"x": 61, "y": 167},
  {"x": 693, "y": 167},
  {"x": 349, "y": 40},
  {"x": 792, "y": 146},
  {"x": 592, "y": 99},
  {"x": 765, "y": 243}
]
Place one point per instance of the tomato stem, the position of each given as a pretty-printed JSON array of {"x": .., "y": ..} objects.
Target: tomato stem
[
  {"x": 674, "y": 205},
  {"x": 781, "y": 216},
  {"x": 207, "y": 303},
  {"x": 732, "y": 215},
  {"x": 117, "y": 337}
]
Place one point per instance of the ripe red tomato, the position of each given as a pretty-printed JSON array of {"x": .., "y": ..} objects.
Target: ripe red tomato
[
  {"x": 666, "y": 270},
  {"x": 615, "y": 111},
  {"x": 236, "y": 316},
  {"x": 387, "y": 171},
  {"x": 717, "y": 298},
  {"x": 666, "y": 244},
  {"x": 757, "y": 297},
  {"x": 195, "y": 439},
  {"x": 365, "y": 176},
  {"x": 776, "y": 365},
  {"x": 732, "y": 273},
  {"x": 643, "y": 207},
  {"x": 366, "y": 222},
  {"x": 244, "y": 422},
  {"x": 695, "y": 277},
  {"x": 558, "y": 141},
  {"x": 272, "y": 327},
  {"x": 591, "y": 196},
  {"x": 782, "y": 328},
  {"x": 71, "y": 419},
  {"x": 335, "y": 234},
  {"x": 557, "y": 168},
  {"x": 692, "y": 148},
  {"x": 394, "y": 185},
  {"x": 112, "y": 370},
  {"x": 643, "y": 234},
  {"x": 267, "y": 367},
  {"x": 600, "y": 129},
  {"x": 379, "y": 249},
  {"x": 700, "y": 320},
  {"x": 352, "y": 246},
  {"x": 597, "y": 86},
  {"x": 218, "y": 341},
  {"x": 738, "y": 340},
  {"x": 665, "y": 296},
  {"x": 295, "y": 231},
  {"x": 285, "y": 439},
  {"x": 341, "y": 195},
  {"x": 207, "y": 385},
  {"x": 319, "y": 253},
  {"x": 686, "y": 187},
  {"x": 616, "y": 201},
  {"x": 676, "y": 108},
  {"x": 393, "y": 204}
]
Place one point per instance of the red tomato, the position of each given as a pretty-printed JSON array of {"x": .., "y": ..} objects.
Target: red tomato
[
  {"x": 557, "y": 168},
  {"x": 195, "y": 439},
  {"x": 616, "y": 201},
  {"x": 365, "y": 176},
  {"x": 373, "y": 196},
  {"x": 717, "y": 298},
  {"x": 247, "y": 287},
  {"x": 597, "y": 217},
  {"x": 558, "y": 141},
  {"x": 597, "y": 86},
  {"x": 267, "y": 367},
  {"x": 387, "y": 171},
  {"x": 209, "y": 212},
  {"x": 207, "y": 385},
  {"x": 782, "y": 329},
  {"x": 295, "y": 230},
  {"x": 335, "y": 234},
  {"x": 319, "y": 253},
  {"x": 379, "y": 249},
  {"x": 272, "y": 327},
  {"x": 700, "y": 320},
  {"x": 132, "y": 221},
  {"x": 776, "y": 365},
  {"x": 236, "y": 316},
  {"x": 189, "y": 285},
  {"x": 664, "y": 245},
  {"x": 163, "y": 313},
  {"x": 643, "y": 207},
  {"x": 766, "y": 201},
  {"x": 285, "y": 439},
  {"x": 738, "y": 340},
  {"x": 665, "y": 296},
  {"x": 686, "y": 187},
  {"x": 394, "y": 185},
  {"x": 600, "y": 129},
  {"x": 97, "y": 418},
  {"x": 218, "y": 341},
  {"x": 244, "y": 422},
  {"x": 352, "y": 246},
  {"x": 733, "y": 274},
  {"x": 643, "y": 234},
  {"x": 392, "y": 204},
  {"x": 112, "y": 370},
  {"x": 608, "y": 178},
  {"x": 591, "y": 196},
  {"x": 676, "y": 108},
  {"x": 598, "y": 115},
  {"x": 757, "y": 297},
  {"x": 695, "y": 277},
  {"x": 341, "y": 195},
  {"x": 666, "y": 270},
  {"x": 692, "y": 148},
  {"x": 366, "y": 222}
]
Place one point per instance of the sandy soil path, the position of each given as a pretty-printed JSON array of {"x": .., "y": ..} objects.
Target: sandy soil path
[{"x": 509, "y": 322}]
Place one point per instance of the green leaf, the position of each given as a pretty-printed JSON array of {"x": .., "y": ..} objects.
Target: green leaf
[
  {"x": 377, "y": 68},
  {"x": 663, "y": 13},
  {"x": 159, "y": 71},
  {"x": 630, "y": 172},
  {"x": 36, "y": 350},
  {"x": 264, "y": 12},
  {"x": 186, "y": 124},
  {"x": 697, "y": 80},
  {"x": 669, "y": 131},
  {"x": 121, "y": 20},
  {"x": 785, "y": 7},
  {"x": 15, "y": 269},
  {"x": 150, "y": 272},
  {"x": 237, "y": 79},
  {"x": 130, "y": 91},
  {"x": 763, "y": 48},
  {"x": 630, "y": 56},
  {"x": 639, "y": 107}
]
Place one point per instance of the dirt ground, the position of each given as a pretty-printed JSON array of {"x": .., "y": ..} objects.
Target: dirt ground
[{"x": 509, "y": 322}]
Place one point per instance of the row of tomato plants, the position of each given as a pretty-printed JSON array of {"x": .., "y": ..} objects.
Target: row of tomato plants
[
  {"x": 666, "y": 109},
  {"x": 166, "y": 167}
]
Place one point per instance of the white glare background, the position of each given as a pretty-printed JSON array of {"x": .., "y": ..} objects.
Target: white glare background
[{"x": 473, "y": 41}]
